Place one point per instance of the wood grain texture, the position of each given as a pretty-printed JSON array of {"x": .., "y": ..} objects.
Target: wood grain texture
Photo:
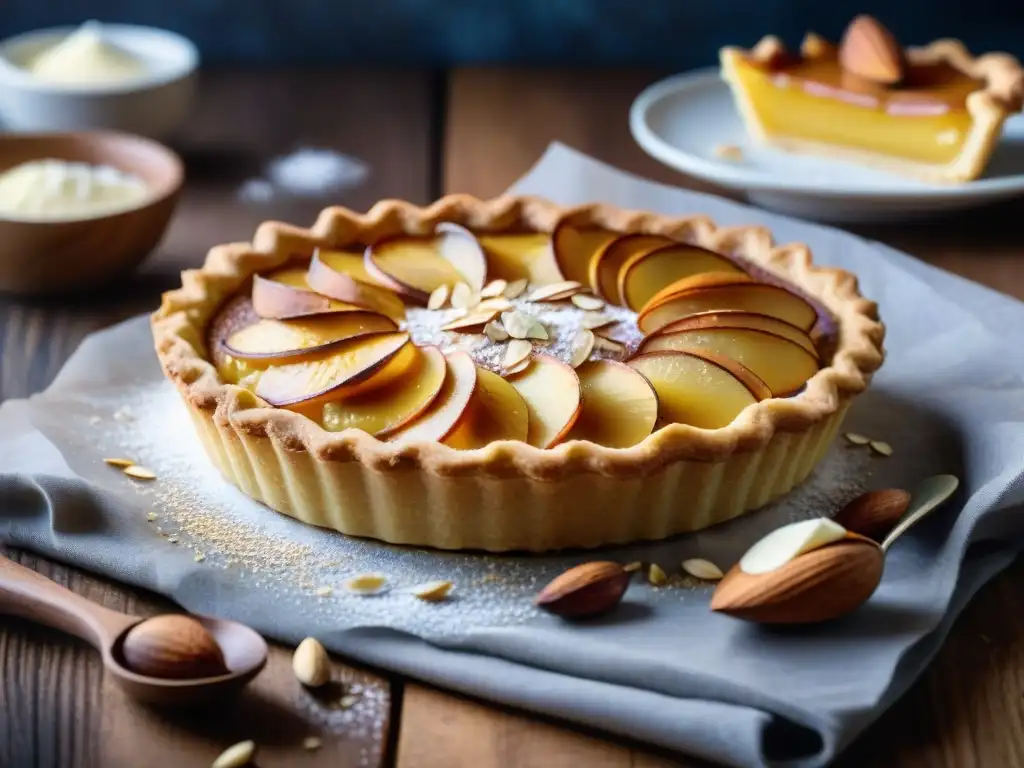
[
  {"x": 65, "y": 714},
  {"x": 966, "y": 711},
  {"x": 68, "y": 713}
]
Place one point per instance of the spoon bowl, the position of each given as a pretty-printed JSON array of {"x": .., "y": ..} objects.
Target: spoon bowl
[{"x": 25, "y": 593}]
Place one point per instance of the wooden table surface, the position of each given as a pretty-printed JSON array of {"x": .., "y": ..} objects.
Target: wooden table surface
[{"x": 424, "y": 135}]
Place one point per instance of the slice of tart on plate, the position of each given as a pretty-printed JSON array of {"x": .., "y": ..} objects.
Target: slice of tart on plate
[
  {"x": 933, "y": 112},
  {"x": 512, "y": 375}
]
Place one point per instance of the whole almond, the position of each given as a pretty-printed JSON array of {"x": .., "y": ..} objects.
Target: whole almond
[
  {"x": 586, "y": 590},
  {"x": 311, "y": 664},
  {"x": 175, "y": 647},
  {"x": 868, "y": 50},
  {"x": 875, "y": 513},
  {"x": 817, "y": 586}
]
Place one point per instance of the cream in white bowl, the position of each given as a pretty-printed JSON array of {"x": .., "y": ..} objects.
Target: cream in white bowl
[{"x": 97, "y": 77}]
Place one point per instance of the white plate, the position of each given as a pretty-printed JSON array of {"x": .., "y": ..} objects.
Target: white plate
[{"x": 680, "y": 121}]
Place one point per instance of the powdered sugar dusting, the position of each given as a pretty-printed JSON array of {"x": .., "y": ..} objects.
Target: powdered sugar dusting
[{"x": 562, "y": 319}]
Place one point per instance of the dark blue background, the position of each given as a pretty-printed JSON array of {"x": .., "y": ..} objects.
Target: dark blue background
[{"x": 667, "y": 33}]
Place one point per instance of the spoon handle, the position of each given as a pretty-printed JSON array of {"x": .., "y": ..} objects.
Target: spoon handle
[
  {"x": 25, "y": 593},
  {"x": 927, "y": 497}
]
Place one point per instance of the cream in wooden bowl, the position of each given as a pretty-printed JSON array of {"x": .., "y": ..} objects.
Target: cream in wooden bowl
[{"x": 81, "y": 209}]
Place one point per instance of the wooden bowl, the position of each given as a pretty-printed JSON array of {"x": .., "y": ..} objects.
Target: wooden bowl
[{"x": 48, "y": 258}]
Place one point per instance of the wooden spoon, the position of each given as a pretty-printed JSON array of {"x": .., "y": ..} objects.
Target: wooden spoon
[
  {"x": 25, "y": 593},
  {"x": 826, "y": 582}
]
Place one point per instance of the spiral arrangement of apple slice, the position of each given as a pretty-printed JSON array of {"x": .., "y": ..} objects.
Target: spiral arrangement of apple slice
[{"x": 329, "y": 338}]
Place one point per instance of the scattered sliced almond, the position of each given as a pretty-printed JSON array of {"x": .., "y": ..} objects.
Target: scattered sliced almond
[
  {"x": 498, "y": 303},
  {"x": 856, "y": 439},
  {"x": 518, "y": 368},
  {"x": 493, "y": 288},
  {"x": 311, "y": 664},
  {"x": 433, "y": 591},
  {"x": 656, "y": 575},
  {"x": 139, "y": 473},
  {"x": 587, "y": 302},
  {"x": 495, "y": 331},
  {"x": 348, "y": 701},
  {"x": 580, "y": 347},
  {"x": 462, "y": 296},
  {"x": 236, "y": 756},
  {"x": 439, "y": 296},
  {"x": 537, "y": 331},
  {"x": 122, "y": 463},
  {"x": 633, "y": 567},
  {"x": 151, "y": 517},
  {"x": 518, "y": 351},
  {"x": 605, "y": 344},
  {"x": 515, "y": 288},
  {"x": 473, "y": 320},
  {"x": 880, "y": 447},
  {"x": 702, "y": 569},
  {"x": 94, "y": 420},
  {"x": 200, "y": 557},
  {"x": 597, "y": 320},
  {"x": 456, "y": 314},
  {"x": 311, "y": 743},
  {"x": 516, "y": 323},
  {"x": 324, "y": 591},
  {"x": 555, "y": 291},
  {"x": 367, "y": 584}
]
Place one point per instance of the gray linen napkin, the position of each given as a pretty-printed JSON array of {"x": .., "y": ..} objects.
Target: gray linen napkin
[{"x": 950, "y": 398}]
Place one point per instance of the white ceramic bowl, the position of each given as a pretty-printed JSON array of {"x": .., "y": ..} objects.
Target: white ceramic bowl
[{"x": 154, "y": 106}]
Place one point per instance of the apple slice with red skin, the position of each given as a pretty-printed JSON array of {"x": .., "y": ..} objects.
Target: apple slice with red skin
[
  {"x": 736, "y": 318},
  {"x": 574, "y": 248},
  {"x": 411, "y": 265},
  {"x": 701, "y": 280},
  {"x": 553, "y": 396},
  {"x": 342, "y": 287},
  {"x": 460, "y": 248},
  {"x": 620, "y": 407},
  {"x": 763, "y": 298},
  {"x": 701, "y": 390},
  {"x": 496, "y": 412},
  {"x": 447, "y": 409},
  {"x": 604, "y": 270},
  {"x": 783, "y": 365},
  {"x": 274, "y": 340},
  {"x": 357, "y": 365},
  {"x": 284, "y": 295},
  {"x": 646, "y": 273},
  {"x": 388, "y": 409}
]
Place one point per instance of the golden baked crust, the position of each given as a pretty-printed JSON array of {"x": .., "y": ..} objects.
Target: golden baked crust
[
  {"x": 238, "y": 429},
  {"x": 989, "y": 106}
]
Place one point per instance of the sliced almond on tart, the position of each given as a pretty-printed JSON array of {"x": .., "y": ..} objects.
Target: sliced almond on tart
[
  {"x": 515, "y": 257},
  {"x": 604, "y": 270},
  {"x": 284, "y": 294},
  {"x": 340, "y": 286},
  {"x": 763, "y": 298},
  {"x": 699, "y": 390},
  {"x": 460, "y": 248},
  {"x": 496, "y": 412},
  {"x": 562, "y": 289},
  {"x": 271, "y": 340},
  {"x": 473, "y": 322},
  {"x": 575, "y": 247},
  {"x": 385, "y": 410},
  {"x": 448, "y": 408},
  {"x": 620, "y": 407},
  {"x": 780, "y": 363},
  {"x": 553, "y": 396},
  {"x": 645, "y": 274},
  {"x": 357, "y": 365},
  {"x": 734, "y": 318},
  {"x": 411, "y": 266}
]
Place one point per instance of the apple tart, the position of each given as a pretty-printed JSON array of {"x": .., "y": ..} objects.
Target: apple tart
[{"x": 513, "y": 375}]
